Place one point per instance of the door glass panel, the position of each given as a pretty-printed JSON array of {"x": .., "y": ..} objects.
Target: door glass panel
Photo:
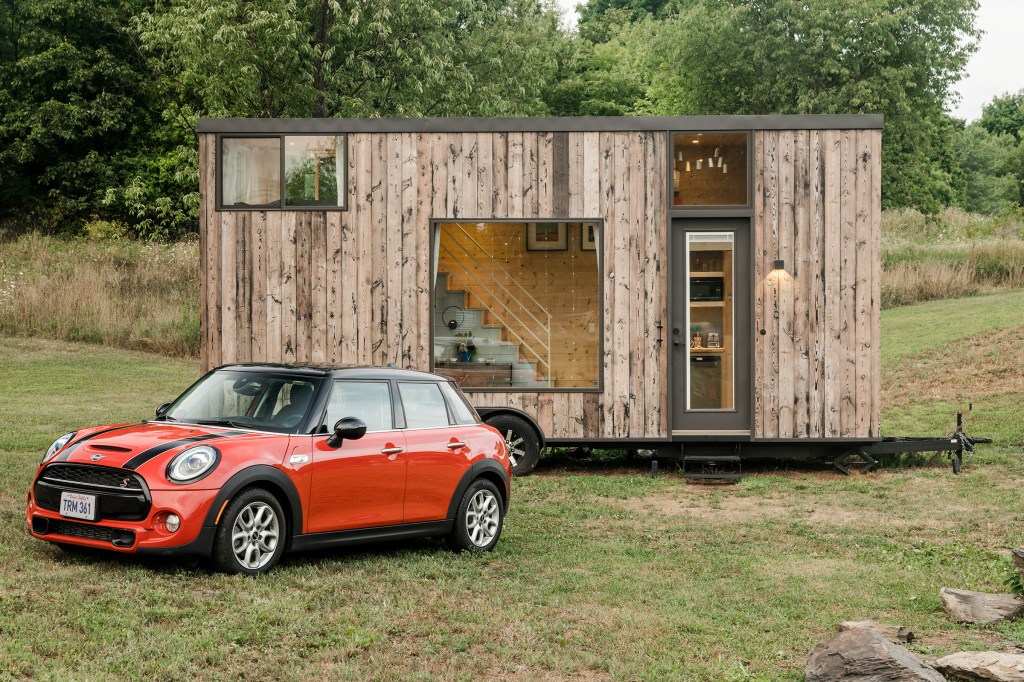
[
  {"x": 366, "y": 400},
  {"x": 424, "y": 405},
  {"x": 710, "y": 320}
]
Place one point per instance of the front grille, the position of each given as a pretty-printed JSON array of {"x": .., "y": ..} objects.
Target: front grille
[
  {"x": 115, "y": 536},
  {"x": 86, "y": 476},
  {"x": 128, "y": 502}
]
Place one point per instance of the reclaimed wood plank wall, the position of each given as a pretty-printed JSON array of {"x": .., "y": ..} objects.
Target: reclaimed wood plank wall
[
  {"x": 817, "y": 205},
  {"x": 353, "y": 286}
]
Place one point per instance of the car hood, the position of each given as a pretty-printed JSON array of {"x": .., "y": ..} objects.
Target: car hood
[{"x": 133, "y": 445}]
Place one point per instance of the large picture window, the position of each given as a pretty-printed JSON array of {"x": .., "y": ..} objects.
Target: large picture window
[
  {"x": 282, "y": 171},
  {"x": 517, "y": 305}
]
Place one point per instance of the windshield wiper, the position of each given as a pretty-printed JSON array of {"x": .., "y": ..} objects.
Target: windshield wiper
[{"x": 223, "y": 422}]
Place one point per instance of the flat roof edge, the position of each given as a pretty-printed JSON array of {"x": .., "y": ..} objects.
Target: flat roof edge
[{"x": 540, "y": 125}]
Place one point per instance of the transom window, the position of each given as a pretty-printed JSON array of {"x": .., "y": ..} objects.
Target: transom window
[
  {"x": 282, "y": 172},
  {"x": 709, "y": 169}
]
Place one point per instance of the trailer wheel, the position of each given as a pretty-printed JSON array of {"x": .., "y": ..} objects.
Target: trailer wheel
[
  {"x": 957, "y": 464},
  {"x": 523, "y": 444}
]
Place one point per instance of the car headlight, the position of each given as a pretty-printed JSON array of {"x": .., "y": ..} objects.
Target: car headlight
[
  {"x": 57, "y": 445},
  {"x": 193, "y": 464}
]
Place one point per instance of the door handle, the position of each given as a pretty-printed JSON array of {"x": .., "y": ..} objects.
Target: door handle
[
  {"x": 455, "y": 446},
  {"x": 390, "y": 451}
]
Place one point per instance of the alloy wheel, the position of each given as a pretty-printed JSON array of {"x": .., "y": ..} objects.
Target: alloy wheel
[
  {"x": 482, "y": 518},
  {"x": 254, "y": 535}
]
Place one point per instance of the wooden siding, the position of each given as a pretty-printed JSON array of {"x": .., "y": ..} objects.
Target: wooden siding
[
  {"x": 354, "y": 286},
  {"x": 817, "y": 205}
]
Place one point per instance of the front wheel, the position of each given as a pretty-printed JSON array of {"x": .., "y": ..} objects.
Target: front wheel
[
  {"x": 479, "y": 519},
  {"x": 251, "y": 536},
  {"x": 522, "y": 442}
]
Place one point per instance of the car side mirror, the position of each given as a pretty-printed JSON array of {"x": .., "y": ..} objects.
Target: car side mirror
[
  {"x": 162, "y": 410},
  {"x": 348, "y": 428}
]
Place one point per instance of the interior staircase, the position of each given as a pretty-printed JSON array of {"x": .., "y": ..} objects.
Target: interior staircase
[{"x": 495, "y": 349}]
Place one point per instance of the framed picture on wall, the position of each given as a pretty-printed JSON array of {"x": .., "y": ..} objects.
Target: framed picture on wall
[
  {"x": 589, "y": 236},
  {"x": 546, "y": 237}
]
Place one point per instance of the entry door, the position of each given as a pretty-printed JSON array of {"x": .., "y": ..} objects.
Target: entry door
[{"x": 712, "y": 344}]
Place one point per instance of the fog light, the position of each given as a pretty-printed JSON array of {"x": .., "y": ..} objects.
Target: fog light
[{"x": 173, "y": 523}]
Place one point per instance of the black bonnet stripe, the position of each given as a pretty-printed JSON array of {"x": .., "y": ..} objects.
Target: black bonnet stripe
[
  {"x": 143, "y": 457},
  {"x": 70, "y": 449}
]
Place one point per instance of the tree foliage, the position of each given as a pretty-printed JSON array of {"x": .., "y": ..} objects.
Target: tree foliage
[
  {"x": 895, "y": 57},
  {"x": 98, "y": 101}
]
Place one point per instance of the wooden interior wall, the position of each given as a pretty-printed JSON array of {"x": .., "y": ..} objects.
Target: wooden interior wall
[
  {"x": 353, "y": 286},
  {"x": 817, "y": 206}
]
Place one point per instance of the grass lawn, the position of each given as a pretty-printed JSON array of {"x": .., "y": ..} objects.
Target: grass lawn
[{"x": 600, "y": 574}]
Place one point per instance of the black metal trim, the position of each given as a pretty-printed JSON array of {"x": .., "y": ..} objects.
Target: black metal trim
[
  {"x": 358, "y": 536},
  {"x": 536, "y": 124},
  {"x": 283, "y": 205}
]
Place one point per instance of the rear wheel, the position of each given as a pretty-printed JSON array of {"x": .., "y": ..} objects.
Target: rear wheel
[
  {"x": 523, "y": 444},
  {"x": 479, "y": 519},
  {"x": 251, "y": 536}
]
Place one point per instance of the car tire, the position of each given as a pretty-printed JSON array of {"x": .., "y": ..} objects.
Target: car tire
[
  {"x": 252, "y": 534},
  {"x": 521, "y": 439},
  {"x": 479, "y": 519}
]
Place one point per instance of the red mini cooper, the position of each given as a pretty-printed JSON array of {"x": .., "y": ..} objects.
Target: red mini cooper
[{"x": 243, "y": 467}]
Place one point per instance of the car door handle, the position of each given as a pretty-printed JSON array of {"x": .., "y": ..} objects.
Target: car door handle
[
  {"x": 390, "y": 451},
  {"x": 455, "y": 446}
]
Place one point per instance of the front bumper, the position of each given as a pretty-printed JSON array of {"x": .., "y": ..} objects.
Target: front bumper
[{"x": 144, "y": 536}]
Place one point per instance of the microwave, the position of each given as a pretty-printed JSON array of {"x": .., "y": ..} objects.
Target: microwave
[{"x": 707, "y": 289}]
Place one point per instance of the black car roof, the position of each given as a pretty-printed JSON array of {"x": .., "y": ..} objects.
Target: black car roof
[{"x": 335, "y": 371}]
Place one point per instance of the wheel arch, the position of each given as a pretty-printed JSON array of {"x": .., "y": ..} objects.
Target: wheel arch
[
  {"x": 271, "y": 479},
  {"x": 488, "y": 412},
  {"x": 487, "y": 469}
]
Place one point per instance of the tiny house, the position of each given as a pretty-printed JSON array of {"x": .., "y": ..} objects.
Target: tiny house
[{"x": 631, "y": 281}]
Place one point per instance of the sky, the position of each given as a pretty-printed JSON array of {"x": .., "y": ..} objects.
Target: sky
[{"x": 996, "y": 68}]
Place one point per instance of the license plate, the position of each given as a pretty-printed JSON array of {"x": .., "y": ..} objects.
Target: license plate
[{"x": 78, "y": 506}]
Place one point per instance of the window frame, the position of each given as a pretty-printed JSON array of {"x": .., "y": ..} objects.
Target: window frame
[
  {"x": 601, "y": 312},
  {"x": 219, "y": 172},
  {"x": 673, "y": 207}
]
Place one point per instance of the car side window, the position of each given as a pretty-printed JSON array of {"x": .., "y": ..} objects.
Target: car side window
[
  {"x": 464, "y": 414},
  {"x": 424, "y": 405},
  {"x": 366, "y": 400}
]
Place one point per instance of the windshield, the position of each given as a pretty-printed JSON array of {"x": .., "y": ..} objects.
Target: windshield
[{"x": 251, "y": 400}]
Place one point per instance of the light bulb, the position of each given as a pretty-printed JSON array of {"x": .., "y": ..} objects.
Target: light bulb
[
  {"x": 725, "y": 168},
  {"x": 719, "y": 161},
  {"x": 687, "y": 166},
  {"x": 698, "y": 164},
  {"x": 716, "y": 152},
  {"x": 711, "y": 162}
]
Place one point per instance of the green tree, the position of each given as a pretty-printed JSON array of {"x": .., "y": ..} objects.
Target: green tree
[
  {"x": 895, "y": 57},
  {"x": 991, "y": 163},
  {"x": 1005, "y": 114},
  {"x": 75, "y": 105}
]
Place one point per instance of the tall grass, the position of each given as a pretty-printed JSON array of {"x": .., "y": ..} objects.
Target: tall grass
[
  {"x": 948, "y": 255},
  {"x": 119, "y": 293}
]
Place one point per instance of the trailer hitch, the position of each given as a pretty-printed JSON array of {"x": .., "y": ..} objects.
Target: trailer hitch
[{"x": 958, "y": 446}]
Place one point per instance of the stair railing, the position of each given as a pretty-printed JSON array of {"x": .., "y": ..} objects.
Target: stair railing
[{"x": 543, "y": 340}]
